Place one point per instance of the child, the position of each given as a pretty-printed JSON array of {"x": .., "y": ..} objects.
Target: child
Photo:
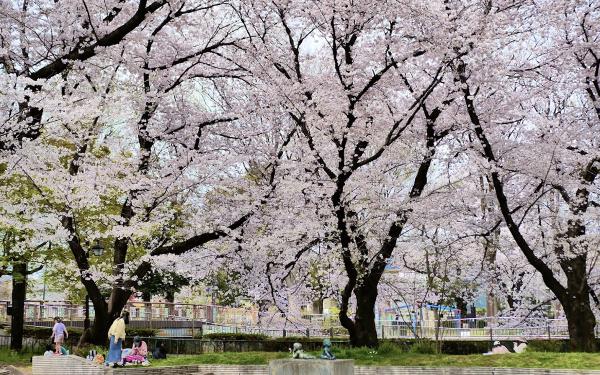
[
  {"x": 49, "y": 352},
  {"x": 59, "y": 333},
  {"x": 160, "y": 352}
]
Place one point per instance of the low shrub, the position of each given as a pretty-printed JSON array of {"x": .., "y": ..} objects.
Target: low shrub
[
  {"x": 83, "y": 351},
  {"x": 465, "y": 347},
  {"x": 386, "y": 348},
  {"x": 424, "y": 347},
  {"x": 553, "y": 346}
]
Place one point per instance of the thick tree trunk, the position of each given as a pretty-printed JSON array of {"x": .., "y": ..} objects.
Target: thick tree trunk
[
  {"x": 461, "y": 305},
  {"x": 105, "y": 314},
  {"x": 582, "y": 324},
  {"x": 170, "y": 297},
  {"x": 362, "y": 330},
  {"x": 19, "y": 291},
  {"x": 365, "y": 332},
  {"x": 99, "y": 329},
  {"x": 576, "y": 303}
]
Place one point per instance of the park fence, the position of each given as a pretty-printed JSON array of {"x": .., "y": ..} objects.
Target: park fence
[
  {"x": 193, "y": 320},
  {"x": 459, "y": 329}
]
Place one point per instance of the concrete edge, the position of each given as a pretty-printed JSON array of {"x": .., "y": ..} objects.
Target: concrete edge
[{"x": 535, "y": 370}]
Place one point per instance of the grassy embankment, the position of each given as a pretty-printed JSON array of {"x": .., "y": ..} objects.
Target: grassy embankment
[
  {"x": 394, "y": 357},
  {"x": 387, "y": 355}
]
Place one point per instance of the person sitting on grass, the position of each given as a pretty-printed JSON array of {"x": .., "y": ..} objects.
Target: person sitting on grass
[
  {"x": 160, "y": 352},
  {"x": 498, "y": 348},
  {"x": 138, "y": 353}
]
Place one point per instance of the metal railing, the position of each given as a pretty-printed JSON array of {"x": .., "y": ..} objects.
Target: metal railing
[
  {"x": 142, "y": 311},
  {"x": 188, "y": 320},
  {"x": 476, "y": 329}
]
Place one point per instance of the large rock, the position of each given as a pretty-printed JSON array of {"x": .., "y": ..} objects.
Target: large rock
[{"x": 311, "y": 367}]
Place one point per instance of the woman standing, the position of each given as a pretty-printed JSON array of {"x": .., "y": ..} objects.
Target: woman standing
[
  {"x": 116, "y": 336},
  {"x": 59, "y": 333}
]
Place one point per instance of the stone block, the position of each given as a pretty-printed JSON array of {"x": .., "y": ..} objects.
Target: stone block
[
  {"x": 311, "y": 367},
  {"x": 63, "y": 365}
]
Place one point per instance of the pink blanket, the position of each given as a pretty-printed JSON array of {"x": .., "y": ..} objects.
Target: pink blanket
[{"x": 135, "y": 358}]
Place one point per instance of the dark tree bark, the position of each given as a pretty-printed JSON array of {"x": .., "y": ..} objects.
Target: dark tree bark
[
  {"x": 364, "y": 330},
  {"x": 147, "y": 298},
  {"x": 170, "y": 297},
  {"x": 576, "y": 304},
  {"x": 461, "y": 305},
  {"x": 19, "y": 291}
]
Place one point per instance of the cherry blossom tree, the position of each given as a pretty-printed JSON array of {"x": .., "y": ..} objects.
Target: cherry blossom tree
[
  {"x": 309, "y": 145},
  {"x": 534, "y": 115},
  {"x": 133, "y": 143},
  {"x": 360, "y": 87}
]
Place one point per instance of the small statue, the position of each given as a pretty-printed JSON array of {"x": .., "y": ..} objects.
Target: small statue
[
  {"x": 327, "y": 354},
  {"x": 298, "y": 353}
]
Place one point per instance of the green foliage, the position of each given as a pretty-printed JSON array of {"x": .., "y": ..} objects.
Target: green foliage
[
  {"x": 157, "y": 283},
  {"x": 82, "y": 351},
  {"x": 465, "y": 347},
  {"x": 10, "y": 357},
  {"x": 226, "y": 286},
  {"x": 46, "y": 332},
  {"x": 424, "y": 347},
  {"x": 554, "y": 346},
  {"x": 386, "y": 348}
]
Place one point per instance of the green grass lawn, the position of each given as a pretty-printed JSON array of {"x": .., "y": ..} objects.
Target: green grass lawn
[
  {"x": 368, "y": 357},
  {"x": 8, "y": 357},
  {"x": 386, "y": 356}
]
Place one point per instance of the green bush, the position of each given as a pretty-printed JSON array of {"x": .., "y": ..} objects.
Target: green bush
[
  {"x": 9, "y": 357},
  {"x": 424, "y": 347},
  {"x": 83, "y": 351},
  {"x": 465, "y": 347},
  {"x": 235, "y": 336},
  {"x": 386, "y": 348},
  {"x": 548, "y": 346}
]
